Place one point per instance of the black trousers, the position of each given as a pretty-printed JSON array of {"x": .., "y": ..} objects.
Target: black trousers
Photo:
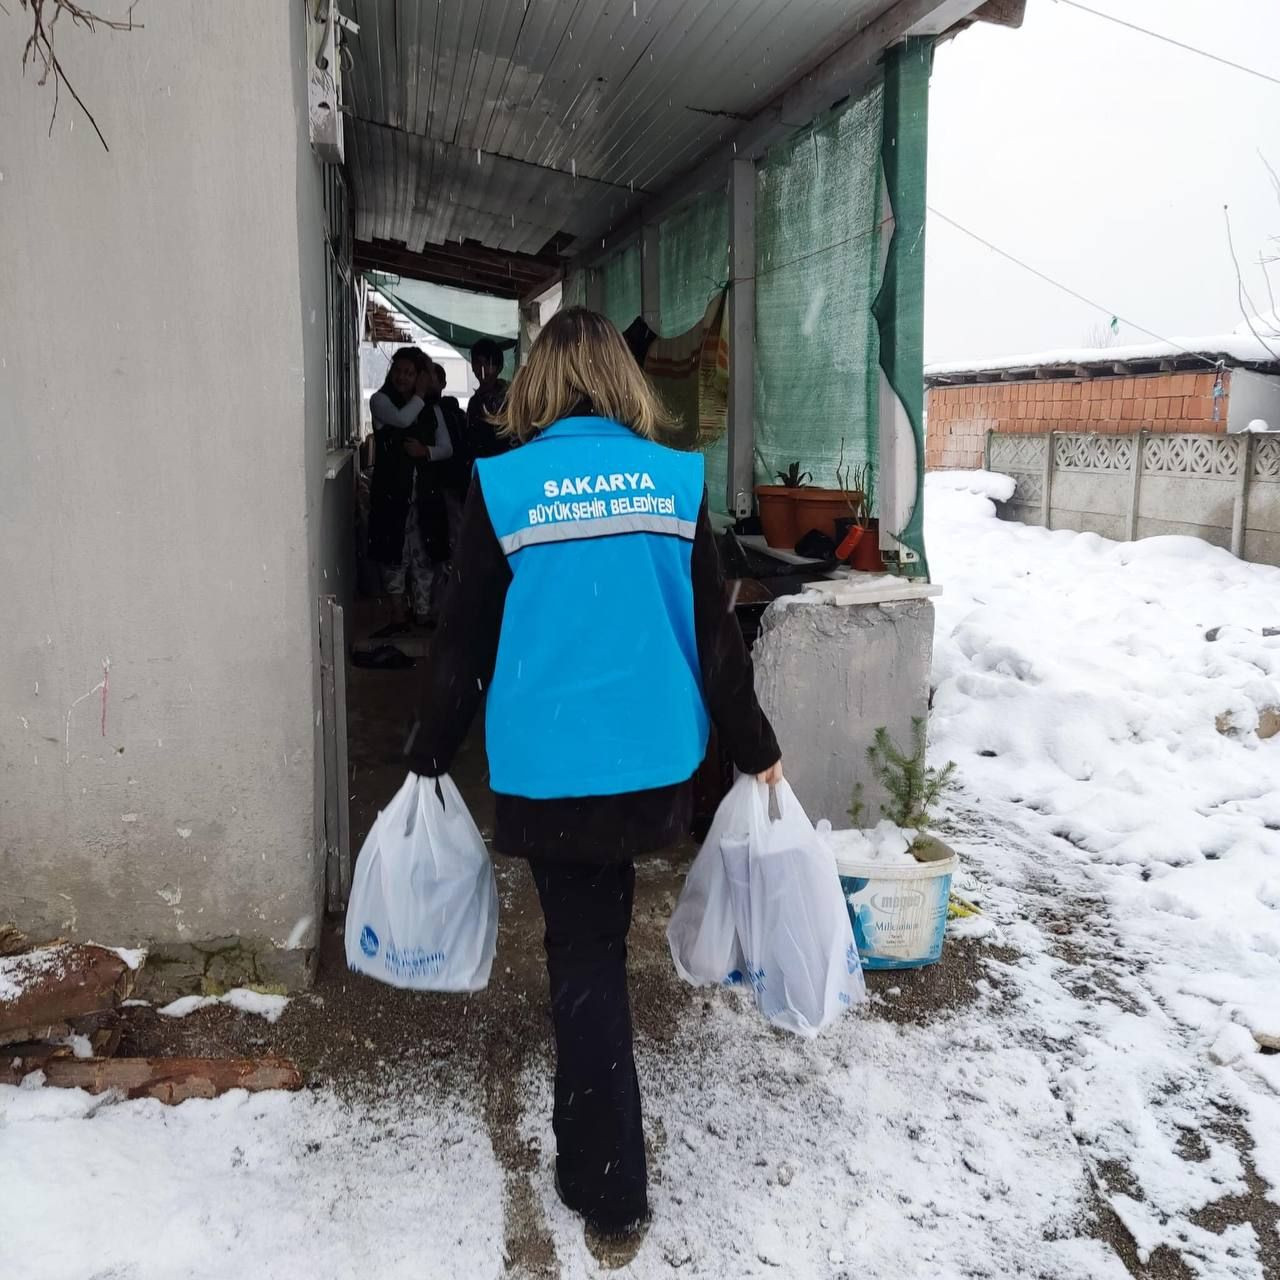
[{"x": 599, "y": 1139}]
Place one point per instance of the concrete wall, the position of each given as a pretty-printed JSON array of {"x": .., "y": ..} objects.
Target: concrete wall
[
  {"x": 960, "y": 417},
  {"x": 161, "y": 499},
  {"x": 1222, "y": 489},
  {"x": 1254, "y": 396},
  {"x": 828, "y": 675}
]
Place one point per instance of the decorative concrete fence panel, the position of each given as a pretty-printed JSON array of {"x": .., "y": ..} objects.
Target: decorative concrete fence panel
[
  {"x": 1223, "y": 489},
  {"x": 1262, "y": 518}
]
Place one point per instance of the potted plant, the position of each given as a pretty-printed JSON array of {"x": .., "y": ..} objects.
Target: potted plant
[
  {"x": 777, "y": 503},
  {"x": 822, "y": 509},
  {"x": 858, "y": 534},
  {"x": 896, "y": 878}
]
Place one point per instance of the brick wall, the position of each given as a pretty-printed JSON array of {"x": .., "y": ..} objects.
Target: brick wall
[{"x": 960, "y": 417}]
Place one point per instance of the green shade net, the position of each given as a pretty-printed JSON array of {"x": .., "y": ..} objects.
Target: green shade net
[
  {"x": 693, "y": 261},
  {"x": 574, "y": 292},
  {"x": 899, "y": 308},
  {"x": 818, "y": 212},
  {"x": 620, "y": 286},
  {"x": 693, "y": 265},
  {"x": 455, "y": 316}
]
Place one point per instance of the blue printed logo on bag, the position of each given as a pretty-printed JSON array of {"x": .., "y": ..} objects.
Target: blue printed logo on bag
[{"x": 368, "y": 942}]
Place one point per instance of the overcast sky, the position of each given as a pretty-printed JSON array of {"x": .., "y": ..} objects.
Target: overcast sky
[{"x": 1103, "y": 158}]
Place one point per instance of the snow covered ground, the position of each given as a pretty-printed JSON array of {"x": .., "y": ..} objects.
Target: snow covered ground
[{"x": 1095, "y": 1106}]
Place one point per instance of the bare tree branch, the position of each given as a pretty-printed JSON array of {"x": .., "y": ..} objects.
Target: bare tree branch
[
  {"x": 1267, "y": 261},
  {"x": 39, "y": 47},
  {"x": 1275, "y": 177},
  {"x": 1242, "y": 293}
]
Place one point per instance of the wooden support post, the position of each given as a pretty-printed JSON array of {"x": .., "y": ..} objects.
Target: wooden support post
[
  {"x": 742, "y": 336},
  {"x": 650, "y": 277},
  {"x": 1240, "y": 511},
  {"x": 1135, "y": 486},
  {"x": 333, "y": 726}
]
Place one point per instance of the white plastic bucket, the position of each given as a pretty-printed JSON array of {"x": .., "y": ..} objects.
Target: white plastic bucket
[{"x": 899, "y": 913}]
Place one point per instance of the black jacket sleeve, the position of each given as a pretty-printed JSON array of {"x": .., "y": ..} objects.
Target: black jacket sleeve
[
  {"x": 461, "y": 657},
  {"x": 728, "y": 679}
]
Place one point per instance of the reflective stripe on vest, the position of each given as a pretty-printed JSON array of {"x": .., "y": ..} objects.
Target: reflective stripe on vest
[{"x": 601, "y": 527}]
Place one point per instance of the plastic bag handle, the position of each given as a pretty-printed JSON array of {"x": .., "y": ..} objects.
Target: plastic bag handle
[{"x": 775, "y": 809}]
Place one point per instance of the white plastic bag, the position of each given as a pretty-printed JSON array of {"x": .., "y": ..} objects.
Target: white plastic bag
[
  {"x": 424, "y": 905},
  {"x": 763, "y": 898}
]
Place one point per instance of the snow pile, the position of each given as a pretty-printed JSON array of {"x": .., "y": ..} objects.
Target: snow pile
[
  {"x": 1073, "y": 677},
  {"x": 242, "y": 998},
  {"x": 293, "y": 1186},
  {"x": 886, "y": 844},
  {"x": 1106, "y": 699},
  {"x": 29, "y": 968},
  {"x": 986, "y": 484}
]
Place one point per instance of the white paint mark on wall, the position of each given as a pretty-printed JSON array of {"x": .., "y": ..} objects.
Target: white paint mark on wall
[
  {"x": 298, "y": 933},
  {"x": 170, "y": 893},
  {"x": 128, "y": 817},
  {"x": 184, "y": 832},
  {"x": 100, "y": 687}
]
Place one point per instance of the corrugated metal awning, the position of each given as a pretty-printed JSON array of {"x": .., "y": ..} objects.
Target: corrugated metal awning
[{"x": 520, "y": 123}]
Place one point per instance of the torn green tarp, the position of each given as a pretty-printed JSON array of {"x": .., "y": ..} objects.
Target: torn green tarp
[
  {"x": 899, "y": 306},
  {"x": 455, "y": 316}
]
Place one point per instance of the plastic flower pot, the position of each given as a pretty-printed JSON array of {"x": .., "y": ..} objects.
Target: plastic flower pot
[
  {"x": 777, "y": 514},
  {"x": 859, "y": 544},
  {"x": 820, "y": 509}
]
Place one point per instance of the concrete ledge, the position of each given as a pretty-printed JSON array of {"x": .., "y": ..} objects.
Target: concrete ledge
[{"x": 849, "y": 587}]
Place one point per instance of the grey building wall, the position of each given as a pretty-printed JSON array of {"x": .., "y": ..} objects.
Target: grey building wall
[
  {"x": 161, "y": 500},
  {"x": 1223, "y": 489},
  {"x": 1254, "y": 396}
]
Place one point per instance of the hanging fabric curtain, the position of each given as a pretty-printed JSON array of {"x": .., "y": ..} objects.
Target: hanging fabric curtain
[
  {"x": 693, "y": 270},
  {"x": 691, "y": 374}
]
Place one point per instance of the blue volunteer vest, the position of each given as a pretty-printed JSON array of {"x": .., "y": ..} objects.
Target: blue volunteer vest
[{"x": 597, "y": 687}]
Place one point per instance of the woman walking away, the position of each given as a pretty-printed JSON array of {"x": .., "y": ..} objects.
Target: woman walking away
[{"x": 588, "y": 600}]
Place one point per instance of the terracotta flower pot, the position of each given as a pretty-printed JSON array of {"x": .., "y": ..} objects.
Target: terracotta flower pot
[
  {"x": 777, "y": 514},
  {"x": 820, "y": 509},
  {"x": 859, "y": 545}
]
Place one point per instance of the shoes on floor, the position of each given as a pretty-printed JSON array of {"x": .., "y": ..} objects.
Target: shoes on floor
[{"x": 612, "y": 1247}]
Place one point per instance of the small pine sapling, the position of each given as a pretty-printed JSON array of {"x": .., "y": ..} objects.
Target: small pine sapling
[
  {"x": 858, "y": 809},
  {"x": 913, "y": 786}
]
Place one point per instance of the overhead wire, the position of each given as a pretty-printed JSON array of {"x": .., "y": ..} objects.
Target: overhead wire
[
  {"x": 1057, "y": 284},
  {"x": 1178, "y": 44}
]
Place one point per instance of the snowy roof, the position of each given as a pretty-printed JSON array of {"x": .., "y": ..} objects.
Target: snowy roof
[{"x": 1255, "y": 344}]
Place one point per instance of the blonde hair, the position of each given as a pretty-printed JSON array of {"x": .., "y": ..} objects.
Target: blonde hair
[{"x": 579, "y": 355}]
